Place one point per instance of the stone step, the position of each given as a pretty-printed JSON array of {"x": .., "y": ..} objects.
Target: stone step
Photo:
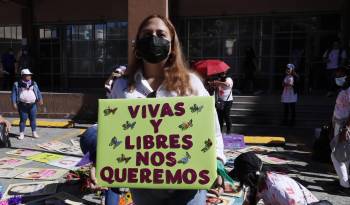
[
  {"x": 273, "y": 130},
  {"x": 241, "y": 119},
  {"x": 273, "y": 99},
  {"x": 305, "y": 114},
  {"x": 268, "y": 107}
]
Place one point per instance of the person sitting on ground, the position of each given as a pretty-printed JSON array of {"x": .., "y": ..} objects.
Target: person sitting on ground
[
  {"x": 6, "y": 123},
  {"x": 25, "y": 95},
  {"x": 271, "y": 187}
]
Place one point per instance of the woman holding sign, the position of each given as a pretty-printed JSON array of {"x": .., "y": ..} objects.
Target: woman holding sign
[{"x": 158, "y": 69}]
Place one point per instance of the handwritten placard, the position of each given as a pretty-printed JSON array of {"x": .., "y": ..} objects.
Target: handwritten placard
[{"x": 156, "y": 143}]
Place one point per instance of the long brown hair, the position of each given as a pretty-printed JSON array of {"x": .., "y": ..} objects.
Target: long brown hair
[{"x": 176, "y": 77}]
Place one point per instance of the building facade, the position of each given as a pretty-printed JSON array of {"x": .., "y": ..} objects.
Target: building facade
[{"x": 76, "y": 44}]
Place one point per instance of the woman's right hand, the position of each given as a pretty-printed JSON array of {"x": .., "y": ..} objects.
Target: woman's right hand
[
  {"x": 14, "y": 105},
  {"x": 93, "y": 184}
]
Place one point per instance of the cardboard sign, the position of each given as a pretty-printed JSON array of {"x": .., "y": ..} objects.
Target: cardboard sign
[
  {"x": 156, "y": 143},
  {"x": 45, "y": 157},
  {"x": 42, "y": 174}
]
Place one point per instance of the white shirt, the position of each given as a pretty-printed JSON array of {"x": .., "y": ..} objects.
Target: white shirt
[
  {"x": 333, "y": 58},
  {"x": 342, "y": 105},
  {"x": 283, "y": 190},
  {"x": 142, "y": 89},
  {"x": 27, "y": 95},
  {"x": 225, "y": 92},
  {"x": 288, "y": 95}
]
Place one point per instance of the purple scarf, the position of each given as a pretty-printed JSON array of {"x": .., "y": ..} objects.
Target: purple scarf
[{"x": 27, "y": 83}]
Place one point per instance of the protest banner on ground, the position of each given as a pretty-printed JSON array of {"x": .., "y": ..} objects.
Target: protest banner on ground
[
  {"x": 156, "y": 143},
  {"x": 11, "y": 162},
  {"x": 31, "y": 189},
  {"x": 45, "y": 157},
  {"x": 42, "y": 174},
  {"x": 22, "y": 152}
]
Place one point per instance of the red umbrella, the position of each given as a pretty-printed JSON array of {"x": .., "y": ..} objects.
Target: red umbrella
[{"x": 211, "y": 67}]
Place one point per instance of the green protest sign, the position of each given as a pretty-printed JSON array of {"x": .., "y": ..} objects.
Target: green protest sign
[{"x": 158, "y": 143}]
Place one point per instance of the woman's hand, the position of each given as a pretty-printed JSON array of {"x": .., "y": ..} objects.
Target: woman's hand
[
  {"x": 14, "y": 105},
  {"x": 93, "y": 184},
  {"x": 344, "y": 134},
  {"x": 218, "y": 187},
  {"x": 7, "y": 124},
  {"x": 41, "y": 102}
]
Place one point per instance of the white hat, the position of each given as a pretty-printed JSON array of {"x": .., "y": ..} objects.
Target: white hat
[
  {"x": 120, "y": 69},
  {"x": 291, "y": 66},
  {"x": 26, "y": 72}
]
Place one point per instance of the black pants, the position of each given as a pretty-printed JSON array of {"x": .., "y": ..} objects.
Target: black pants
[
  {"x": 224, "y": 115},
  {"x": 287, "y": 107},
  {"x": 249, "y": 81},
  {"x": 330, "y": 83}
]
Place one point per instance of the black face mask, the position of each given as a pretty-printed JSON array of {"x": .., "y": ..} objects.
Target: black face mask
[{"x": 153, "y": 49}]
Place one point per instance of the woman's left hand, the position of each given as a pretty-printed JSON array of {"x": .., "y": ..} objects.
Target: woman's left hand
[
  {"x": 41, "y": 102},
  {"x": 218, "y": 187},
  {"x": 8, "y": 126}
]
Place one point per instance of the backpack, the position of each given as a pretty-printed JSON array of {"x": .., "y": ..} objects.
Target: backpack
[
  {"x": 4, "y": 137},
  {"x": 321, "y": 151}
]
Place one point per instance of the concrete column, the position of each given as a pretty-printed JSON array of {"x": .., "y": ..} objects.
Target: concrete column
[
  {"x": 140, "y": 9},
  {"x": 27, "y": 21}
]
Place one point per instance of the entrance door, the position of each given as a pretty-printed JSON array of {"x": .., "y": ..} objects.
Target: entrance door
[{"x": 48, "y": 58}]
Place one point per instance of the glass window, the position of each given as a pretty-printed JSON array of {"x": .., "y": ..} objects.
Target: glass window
[
  {"x": 282, "y": 47},
  {"x": 266, "y": 47},
  {"x": 212, "y": 27},
  {"x": 195, "y": 28},
  {"x": 98, "y": 47},
  {"x": 117, "y": 30},
  {"x": 47, "y": 33},
  {"x": 41, "y": 33},
  {"x": 211, "y": 48},
  {"x": 19, "y": 32},
  {"x": 69, "y": 32},
  {"x": 13, "y": 32},
  {"x": 100, "y": 32},
  {"x": 282, "y": 25},
  {"x": 85, "y": 32},
  {"x": 45, "y": 50},
  {"x": 45, "y": 66},
  {"x": 2, "y": 32},
  {"x": 195, "y": 48},
  {"x": 229, "y": 46},
  {"x": 229, "y": 27},
  {"x": 181, "y": 28},
  {"x": 247, "y": 27},
  {"x": 8, "y": 32},
  {"x": 9, "y": 38},
  {"x": 266, "y": 24}
]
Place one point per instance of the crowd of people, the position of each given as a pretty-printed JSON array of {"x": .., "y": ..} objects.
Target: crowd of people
[{"x": 12, "y": 64}]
